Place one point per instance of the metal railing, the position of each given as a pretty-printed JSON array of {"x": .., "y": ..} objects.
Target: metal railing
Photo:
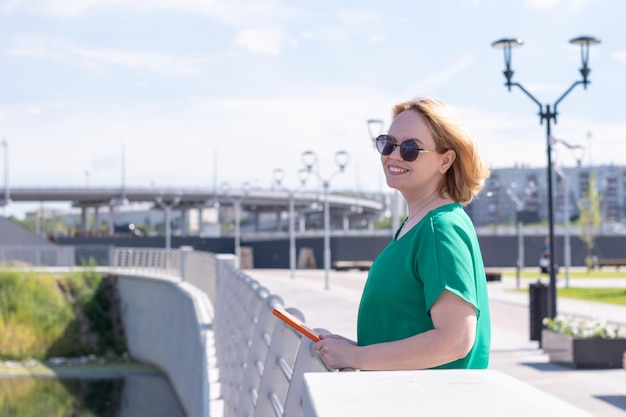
[{"x": 37, "y": 255}]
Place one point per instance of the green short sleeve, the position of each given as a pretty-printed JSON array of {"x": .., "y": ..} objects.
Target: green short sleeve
[{"x": 440, "y": 253}]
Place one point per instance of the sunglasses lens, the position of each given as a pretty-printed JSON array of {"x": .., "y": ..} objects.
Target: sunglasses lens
[
  {"x": 409, "y": 150},
  {"x": 384, "y": 144}
]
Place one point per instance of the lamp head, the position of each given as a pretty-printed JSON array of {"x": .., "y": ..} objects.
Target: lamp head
[
  {"x": 506, "y": 44},
  {"x": 585, "y": 42},
  {"x": 303, "y": 175},
  {"x": 341, "y": 159},
  {"x": 309, "y": 158},
  {"x": 279, "y": 174},
  {"x": 375, "y": 128}
]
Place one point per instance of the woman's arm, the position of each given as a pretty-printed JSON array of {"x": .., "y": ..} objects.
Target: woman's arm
[{"x": 452, "y": 338}]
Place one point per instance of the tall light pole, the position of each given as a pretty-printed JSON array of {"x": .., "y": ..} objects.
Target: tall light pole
[
  {"x": 237, "y": 200},
  {"x": 167, "y": 209},
  {"x": 279, "y": 174},
  {"x": 567, "y": 248},
  {"x": 309, "y": 158},
  {"x": 375, "y": 127},
  {"x": 7, "y": 196},
  {"x": 548, "y": 114},
  {"x": 120, "y": 200},
  {"x": 519, "y": 206}
]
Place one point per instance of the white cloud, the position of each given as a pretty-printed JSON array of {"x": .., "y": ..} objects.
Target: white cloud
[
  {"x": 260, "y": 41},
  {"x": 71, "y": 8},
  {"x": 620, "y": 56},
  {"x": 238, "y": 13},
  {"x": 346, "y": 24},
  {"x": 428, "y": 84},
  {"x": 571, "y": 5},
  {"x": 96, "y": 60},
  {"x": 542, "y": 4}
]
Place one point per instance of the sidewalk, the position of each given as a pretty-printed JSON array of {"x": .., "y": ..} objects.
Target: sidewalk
[{"x": 600, "y": 392}]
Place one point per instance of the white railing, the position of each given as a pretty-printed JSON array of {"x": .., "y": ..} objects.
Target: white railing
[
  {"x": 260, "y": 360},
  {"x": 37, "y": 255}
]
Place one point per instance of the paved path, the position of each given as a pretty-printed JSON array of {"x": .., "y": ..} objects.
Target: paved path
[{"x": 600, "y": 392}]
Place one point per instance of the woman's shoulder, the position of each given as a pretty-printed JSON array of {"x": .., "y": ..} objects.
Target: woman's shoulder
[{"x": 450, "y": 216}]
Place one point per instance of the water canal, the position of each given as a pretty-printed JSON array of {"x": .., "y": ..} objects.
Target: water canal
[{"x": 88, "y": 393}]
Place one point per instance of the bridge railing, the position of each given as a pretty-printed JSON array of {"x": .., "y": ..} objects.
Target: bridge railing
[
  {"x": 260, "y": 361},
  {"x": 37, "y": 255}
]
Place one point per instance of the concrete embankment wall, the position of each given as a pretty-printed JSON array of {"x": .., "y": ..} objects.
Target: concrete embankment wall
[{"x": 166, "y": 323}]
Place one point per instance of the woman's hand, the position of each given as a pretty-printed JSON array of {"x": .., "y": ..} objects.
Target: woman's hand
[{"x": 337, "y": 352}]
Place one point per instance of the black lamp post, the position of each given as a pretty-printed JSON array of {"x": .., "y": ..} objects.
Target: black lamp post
[{"x": 548, "y": 114}]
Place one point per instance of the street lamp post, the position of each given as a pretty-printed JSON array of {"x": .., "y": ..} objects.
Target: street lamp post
[
  {"x": 167, "y": 209},
  {"x": 7, "y": 196},
  {"x": 548, "y": 114},
  {"x": 375, "y": 127},
  {"x": 309, "y": 158},
  {"x": 237, "y": 202},
  {"x": 278, "y": 178},
  {"x": 567, "y": 249},
  {"x": 519, "y": 206}
]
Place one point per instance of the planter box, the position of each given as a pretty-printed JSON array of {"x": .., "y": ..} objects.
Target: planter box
[{"x": 583, "y": 353}]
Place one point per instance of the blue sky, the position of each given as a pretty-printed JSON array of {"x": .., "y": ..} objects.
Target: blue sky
[{"x": 177, "y": 86}]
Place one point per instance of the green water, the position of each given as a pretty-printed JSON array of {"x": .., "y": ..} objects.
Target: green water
[{"x": 135, "y": 396}]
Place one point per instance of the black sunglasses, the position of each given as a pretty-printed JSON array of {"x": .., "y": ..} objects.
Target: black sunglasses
[{"x": 409, "y": 149}]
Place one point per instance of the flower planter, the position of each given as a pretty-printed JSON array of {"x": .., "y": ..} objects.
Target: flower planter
[{"x": 583, "y": 353}]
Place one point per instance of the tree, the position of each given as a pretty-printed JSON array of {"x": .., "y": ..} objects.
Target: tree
[{"x": 590, "y": 218}]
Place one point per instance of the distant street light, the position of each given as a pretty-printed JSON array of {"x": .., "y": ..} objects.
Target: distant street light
[
  {"x": 549, "y": 115},
  {"x": 309, "y": 158},
  {"x": 7, "y": 195},
  {"x": 578, "y": 151},
  {"x": 167, "y": 209},
  {"x": 279, "y": 174},
  {"x": 120, "y": 200},
  {"x": 519, "y": 207},
  {"x": 375, "y": 127},
  {"x": 237, "y": 200}
]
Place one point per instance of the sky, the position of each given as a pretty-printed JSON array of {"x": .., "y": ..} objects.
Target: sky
[{"x": 197, "y": 93}]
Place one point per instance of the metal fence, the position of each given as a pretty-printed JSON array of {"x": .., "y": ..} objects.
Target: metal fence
[{"x": 44, "y": 255}]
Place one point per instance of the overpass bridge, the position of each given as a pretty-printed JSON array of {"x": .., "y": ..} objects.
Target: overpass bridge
[{"x": 306, "y": 207}]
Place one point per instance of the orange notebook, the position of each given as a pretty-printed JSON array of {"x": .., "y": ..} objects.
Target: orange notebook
[{"x": 296, "y": 323}]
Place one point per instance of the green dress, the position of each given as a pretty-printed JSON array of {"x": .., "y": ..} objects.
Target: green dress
[{"x": 440, "y": 253}]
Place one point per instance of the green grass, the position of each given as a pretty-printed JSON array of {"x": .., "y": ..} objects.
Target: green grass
[
  {"x": 614, "y": 295},
  {"x": 574, "y": 273},
  {"x": 602, "y": 295}
]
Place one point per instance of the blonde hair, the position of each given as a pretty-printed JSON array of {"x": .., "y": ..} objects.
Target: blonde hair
[{"x": 466, "y": 177}]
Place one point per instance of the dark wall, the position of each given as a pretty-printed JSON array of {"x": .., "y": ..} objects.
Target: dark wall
[
  {"x": 498, "y": 251},
  {"x": 216, "y": 245}
]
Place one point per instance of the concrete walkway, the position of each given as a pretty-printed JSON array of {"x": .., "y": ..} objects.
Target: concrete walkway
[{"x": 600, "y": 392}]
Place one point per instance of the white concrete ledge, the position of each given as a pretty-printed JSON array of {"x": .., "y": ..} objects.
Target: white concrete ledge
[
  {"x": 165, "y": 325},
  {"x": 433, "y": 393}
]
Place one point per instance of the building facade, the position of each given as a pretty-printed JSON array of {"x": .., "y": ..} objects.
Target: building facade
[{"x": 522, "y": 192}]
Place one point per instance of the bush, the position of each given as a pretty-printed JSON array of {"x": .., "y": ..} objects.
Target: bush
[{"x": 46, "y": 315}]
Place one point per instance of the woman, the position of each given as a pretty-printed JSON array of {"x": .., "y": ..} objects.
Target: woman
[{"x": 425, "y": 303}]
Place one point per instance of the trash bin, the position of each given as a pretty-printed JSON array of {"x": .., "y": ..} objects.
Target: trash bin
[{"x": 538, "y": 307}]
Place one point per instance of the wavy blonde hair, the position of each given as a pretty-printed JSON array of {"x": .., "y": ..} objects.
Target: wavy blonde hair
[{"x": 466, "y": 177}]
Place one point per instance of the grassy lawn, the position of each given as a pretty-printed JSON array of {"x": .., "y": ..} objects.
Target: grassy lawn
[
  {"x": 602, "y": 295},
  {"x": 615, "y": 295},
  {"x": 574, "y": 273}
]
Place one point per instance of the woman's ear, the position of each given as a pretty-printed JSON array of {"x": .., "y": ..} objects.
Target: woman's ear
[{"x": 447, "y": 160}]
